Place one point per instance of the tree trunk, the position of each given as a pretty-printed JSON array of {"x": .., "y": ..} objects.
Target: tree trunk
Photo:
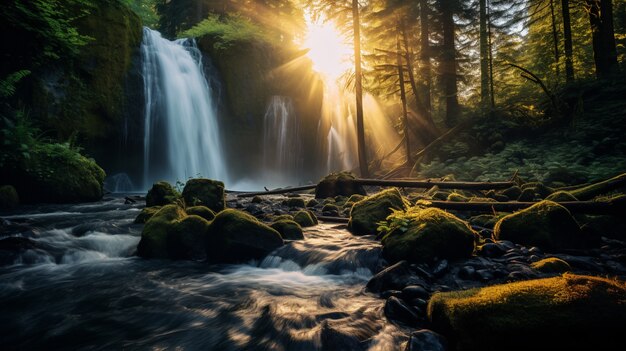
[
  {"x": 360, "y": 128},
  {"x": 484, "y": 57},
  {"x": 405, "y": 115},
  {"x": 491, "y": 90},
  {"x": 604, "y": 52},
  {"x": 555, "y": 39},
  {"x": 425, "y": 57},
  {"x": 448, "y": 65},
  {"x": 567, "y": 42}
]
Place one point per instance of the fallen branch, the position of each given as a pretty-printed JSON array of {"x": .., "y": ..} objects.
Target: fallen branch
[
  {"x": 431, "y": 183},
  {"x": 279, "y": 191}
]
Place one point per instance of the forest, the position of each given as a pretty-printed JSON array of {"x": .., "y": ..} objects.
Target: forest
[{"x": 313, "y": 174}]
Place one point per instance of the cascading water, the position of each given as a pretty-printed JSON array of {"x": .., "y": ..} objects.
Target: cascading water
[
  {"x": 282, "y": 148},
  {"x": 181, "y": 137}
]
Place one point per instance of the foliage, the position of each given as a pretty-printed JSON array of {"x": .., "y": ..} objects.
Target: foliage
[
  {"x": 227, "y": 31},
  {"x": 7, "y": 85},
  {"x": 146, "y": 10}
]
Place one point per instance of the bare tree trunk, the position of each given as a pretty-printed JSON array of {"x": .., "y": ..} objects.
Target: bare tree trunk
[
  {"x": 448, "y": 65},
  {"x": 604, "y": 52},
  {"x": 360, "y": 128},
  {"x": 555, "y": 39},
  {"x": 425, "y": 57},
  {"x": 403, "y": 98},
  {"x": 567, "y": 41},
  {"x": 492, "y": 93},
  {"x": 484, "y": 57}
]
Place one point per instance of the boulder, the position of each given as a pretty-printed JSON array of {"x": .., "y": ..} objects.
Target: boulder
[
  {"x": 545, "y": 224},
  {"x": 366, "y": 214},
  {"x": 186, "y": 238},
  {"x": 312, "y": 203},
  {"x": 289, "y": 230},
  {"x": 8, "y": 197},
  {"x": 154, "y": 242},
  {"x": 394, "y": 277},
  {"x": 295, "y": 202},
  {"x": 561, "y": 313},
  {"x": 305, "y": 218},
  {"x": 426, "y": 340},
  {"x": 146, "y": 214},
  {"x": 236, "y": 236},
  {"x": 513, "y": 192},
  {"x": 397, "y": 310},
  {"x": 551, "y": 265},
  {"x": 423, "y": 235},
  {"x": 161, "y": 194},
  {"x": 201, "y": 211},
  {"x": 341, "y": 183},
  {"x": 205, "y": 192},
  {"x": 560, "y": 196}
]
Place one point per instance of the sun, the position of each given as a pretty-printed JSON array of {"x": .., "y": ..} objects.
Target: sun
[{"x": 327, "y": 48}]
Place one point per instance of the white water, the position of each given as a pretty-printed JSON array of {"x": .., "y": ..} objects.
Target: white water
[{"x": 181, "y": 138}]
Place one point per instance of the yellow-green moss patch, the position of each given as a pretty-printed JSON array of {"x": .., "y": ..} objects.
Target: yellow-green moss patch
[
  {"x": 551, "y": 265},
  {"x": 366, "y": 214}
]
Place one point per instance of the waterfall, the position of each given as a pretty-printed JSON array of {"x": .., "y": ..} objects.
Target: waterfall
[
  {"x": 282, "y": 149},
  {"x": 181, "y": 137}
]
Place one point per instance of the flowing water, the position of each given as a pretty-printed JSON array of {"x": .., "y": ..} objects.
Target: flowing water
[
  {"x": 75, "y": 284},
  {"x": 181, "y": 129}
]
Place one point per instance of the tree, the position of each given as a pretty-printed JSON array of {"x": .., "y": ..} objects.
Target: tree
[
  {"x": 604, "y": 51},
  {"x": 448, "y": 62},
  {"x": 358, "y": 89},
  {"x": 484, "y": 56},
  {"x": 567, "y": 41}
]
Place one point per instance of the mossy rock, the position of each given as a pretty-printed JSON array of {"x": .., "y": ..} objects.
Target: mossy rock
[
  {"x": 481, "y": 199},
  {"x": 513, "y": 192},
  {"x": 186, "y": 238},
  {"x": 427, "y": 234},
  {"x": 538, "y": 188},
  {"x": 281, "y": 217},
  {"x": 8, "y": 197},
  {"x": 332, "y": 208},
  {"x": 610, "y": 226},
  {"x": 256, "y": 199},
  {"x": 289, "y": 230},
  {"x": 561, "y": 196},
  {"x": 154, "y": 243},
  {"x": 486, "y": 220},
  {"x": 146, "y": 213},
  {"x": 341, "y": 183},
  {"x": 55, "y": 173},
  {"x": 561, "y": 313},
  {"x": 527, "y": 195},
  {"x": 305, "y": 218},
  {"x": 235, "y": 236},
  {"x": 205, "y": 192},
  {"x": 355, "y": 198},
  {"x": 545, "y": 224},
  {"x": 456, "y": 197},
  {"x": 161, "y": 194},
  {"x": 366, "y": 214},
  {"x": 201, "y": 211},
  {"x": 295, "y": 202},
  {"x": 617, "y": 183},
  {"x": 551, "y": 265},
  {"x": 312, "y": 203}
]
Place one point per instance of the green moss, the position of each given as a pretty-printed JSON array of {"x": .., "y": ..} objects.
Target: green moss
[
  {"x": 305, "y": 218},
  {"x": 485, "y": 220},
  {"x": 8, "y": 197},
  {"x": 295, "y": 202},
  {"x": 355, "y": 198},
  {"x": 146, "y": 214},
  {"x": 366, "y": 214},
  {"x": 201, "y": 211},
  {"x": 236, "y": 236},
  {"x": 281, "y": 217},
  {"x": 513, "y": 192},
  {"x": 538, "y": 188},
  {"x": 312, "y": 203},
  {"x": 551, "y": 265},
  {"x": 288, "y": 229},
  {"x": 545, "y": 224},
  {"x": 422, "y": 235},
  {"x": 162, "y": 193},
  {"x": 527, "y": 195},
  {"x": 481, "y": 199},
  {"x": 331, "y": 208},
  {"x": 153, "y": 242},
  {"x": 205, "y": 192},
  {"x": 456, "y": 197},
  {"x": 341, "y": 183},
  {"x": 441, "y": 195},
  {"x": 603, "y": 187},
  {"x": 568, "y": 312},
  {"x": 186, "y": 238},
  {"x": 560, "y": 196}
]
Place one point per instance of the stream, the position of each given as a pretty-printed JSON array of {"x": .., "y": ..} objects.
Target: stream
[{"x": 74, "y": 283}]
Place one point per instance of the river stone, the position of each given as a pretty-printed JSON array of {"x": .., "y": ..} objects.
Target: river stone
[
  {"x": 295, "y": 202},
  {"x": 397, "y": 310},
  {"x": 491, "y": 250},
  {"x": 415, "y": 292},
  {"x": 394, "y": 277},
  {"x": 146, "y": 214},
  {"x": 426, "y": 340},
  {"x": 366, "y": 214},
  {"x": 429, "y": 234},
  {"x": 341, "y": 183},
  {"x": 545, "y": 224},
  {"x": 161, "y": 194},
  {"x": 8, "y": 197},
  {"x": 551, "y": 265},
  {"x": 305, "y": 218},
  {"x": 201, "y": 211},
  {"x": 236, "y": 236},
  {"x": 154, "y": 243},
  {"x": 288, "y": 229},
  {"x": 560, "y": 313},
  {"x": 186, "y": 238},
  {"x": 205, "y": 192}
]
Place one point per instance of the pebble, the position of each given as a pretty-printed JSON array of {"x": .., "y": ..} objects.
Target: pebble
[
  {"x": 467, "y": 272},
  {"x": 441, "y": 268},
  {"x": 397, "y": 310},
  {"x": 425, "y": 339},
  {"x": 415, "y": 292},
  {"x": 491, "y": 250}
]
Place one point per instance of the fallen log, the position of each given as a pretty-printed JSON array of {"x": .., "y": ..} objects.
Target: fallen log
[
  {"x": 590, "y": 191},
  {"x": 279, "y": 191},
  {"x": 331, "y": 219},
  {"x": 431, "y": 183}
]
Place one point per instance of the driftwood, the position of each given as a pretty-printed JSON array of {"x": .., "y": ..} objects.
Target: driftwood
[
  {"x": 279, "y": 191},
  {"x": 431, "y": 183}
]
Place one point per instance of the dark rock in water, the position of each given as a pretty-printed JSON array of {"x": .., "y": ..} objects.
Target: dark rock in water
[
  {"x": 467, "y": 273},
  {"x": 146, "y": 214},
  {"x": 153, "y": 242},
  {"x": 295, "y": 202},
  {"x": 236, "y": 236},
  {"x": 8, "y": 197},
  {"x": 545, "y": 224},
  {"x": 397, "y": 310},
  {"x": 338, "y": 184},
  {"x": 613, "y": 227},
  {"x": 186, "y": 238},
  {"x": 161, "y": 194},
  {"x": 426, "y": 340},
  {"x": 201, "y": 211},
  {"x": 205, "y": 192},
  {"x": 491, "y": 250},
  {"x": 333, "y": 339},
  {"x": 441, "y": 268},
  {"x": 331, "y": 210},
  {"x": 12, "y": 247},
  {"x": 305, "y": 218},
  {"x": 394, "y": 277},
  {"x": 289, "y": 230},
  {"x": 366, "y": 214},
  {"x": 513, "y": 192},
  {"x": 415, "y": 292},
  {"x": 430, "y": 234},
  {"x": 312, "y": 203},
  {"x": 485, "y": 275},
  {"x": 256, "y": 199},
  {"x": 561, "y": 313},
  {"x": 389, "y": 293}
]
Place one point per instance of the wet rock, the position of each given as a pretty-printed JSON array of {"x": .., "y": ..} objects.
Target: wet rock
[
  {"x": 12, "y": 247},
  {"x": 201, "y": 211},
  {"x": 513, "y": 192},
  {"x": 545, "y": 224},
  {"x": 305, "y": 218},
  {"x": 426, "y": 235},
  {"x": 585, "y": 263},
  {"x": 295, "y": 202},
  {"x": 415, "y": 292},
  {"x": 161, "y": 194},
  {"x": 484, "y": 275},
  {"x": 205, "y": 192},
  {"x": 389, "y": 293},
  {"x": 441, "y": 268},
  {"x": 256, "y": 199},
  {"x": 394, "y": 277},
  {"x": 568, "y": 312},
  {"x": 551, "y": 265},
  {"x": 330, "y": 210},
  {"x": 426, "y": 340},
  {"x": 289, "y": 230},
  {"x": 312, "y": 203},
  {"x": 397, "y": 310},
  {"x": 153, "y": 243},
  {"x": 8, "y": 197},
  {"x": 366, "y": 214},
  {"x": 467, "y": 273},
  {"x": 146, "y": 214},
  {"x": 186, "y": 238},
  {"x": 338, "y": 184},
  {"x": 491, "y": 250},
  {"x": 333, "y": 338}
]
